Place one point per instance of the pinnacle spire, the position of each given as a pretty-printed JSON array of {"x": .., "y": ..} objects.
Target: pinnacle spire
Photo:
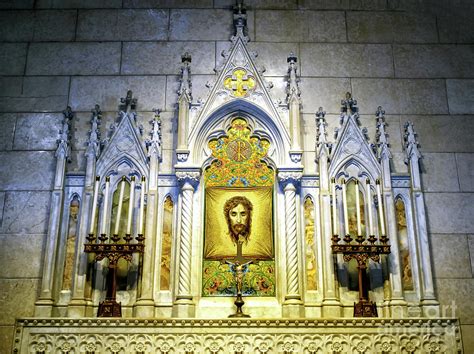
[
  {"x": 63, "y": 149},
  {"x": 411, "y": 144},
  {"x": 185, "y": 85},
  {"x": 154, "y": 143},
  {"x": 322, "y": 144},
  {"x": 382, "y": 144},
  {"x": 93, "y": 145},
  {"x": 292, "y": 88}
]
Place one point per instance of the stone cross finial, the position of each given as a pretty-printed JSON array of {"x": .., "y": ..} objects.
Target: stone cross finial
[
  {"x": 185, "y": 80},
  {"x": 186, "y": 58},
  {"x": 292, "y": 86},
  {"x": 63, "y": 149},
  {"x": 381, "y": 136},
  {"x": 154, "y": 143},
  {"x": 93, "y": 145},
  {"x": 411, "y": 144},
  {"x": 96, "y": 112},
  {"x": 240, "y": 22},
  {"x": 291, "y": 59},
  {"x": 320, "y": 113},
  {"x": 349, "y": 104},
  {"x": 68, "y": 113},
  {"x": 128, "y": 102}
]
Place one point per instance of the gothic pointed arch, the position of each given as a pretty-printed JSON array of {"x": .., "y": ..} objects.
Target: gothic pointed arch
[{"x": 220, "y": 120}]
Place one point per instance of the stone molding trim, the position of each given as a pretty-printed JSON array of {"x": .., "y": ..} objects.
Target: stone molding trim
[{"x": 237, "y": 335}]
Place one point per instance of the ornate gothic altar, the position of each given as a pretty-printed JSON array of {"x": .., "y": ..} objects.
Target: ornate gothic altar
[{"x": 301, "y": 287}]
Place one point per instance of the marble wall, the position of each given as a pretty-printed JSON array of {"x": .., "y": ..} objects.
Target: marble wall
[{"x": 412, "y": 57}]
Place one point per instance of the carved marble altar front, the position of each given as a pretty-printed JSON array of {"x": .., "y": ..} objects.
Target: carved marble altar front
[{"x": 94, "y": 335}]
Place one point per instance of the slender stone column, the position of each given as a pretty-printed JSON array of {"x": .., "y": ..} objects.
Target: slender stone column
[
  {"x": 331, "y": 304},
  {"x": 430, "y": 305},
  {"x": 398, "y": 305},
  {"x": 184, "y": 305},
  {"x": 77, "y": 306},
  {"x": 145, "y": 306},
  {"x": 293, "y": 306},
  {"x": 44, "y": 305}
]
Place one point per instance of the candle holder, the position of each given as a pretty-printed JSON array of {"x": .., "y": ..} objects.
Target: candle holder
[
  {"x": 113, "y": 251},
  {"x": 362, "y": 252},
  {"x": 372, "y": 239}
]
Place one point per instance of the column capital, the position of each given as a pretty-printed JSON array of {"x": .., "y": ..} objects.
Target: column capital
[
  {"x": 290, "y": 176},
  {"x": 188, "y": 175}
]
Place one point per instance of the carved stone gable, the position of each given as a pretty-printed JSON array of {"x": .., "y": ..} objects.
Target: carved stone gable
[
  {"x": 238, "y": 79},
  {"x": 353, "y": 146},
  {"x": 125, "y": 144}
]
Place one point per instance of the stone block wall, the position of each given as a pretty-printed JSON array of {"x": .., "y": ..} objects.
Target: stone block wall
[{"x": 414, "y": 58}]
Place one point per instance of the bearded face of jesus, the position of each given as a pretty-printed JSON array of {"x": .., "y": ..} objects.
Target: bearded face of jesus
[{"x": 238, "y": 213}]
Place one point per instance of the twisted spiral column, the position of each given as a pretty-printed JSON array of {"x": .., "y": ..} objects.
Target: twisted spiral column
[
  {"x": 289, "y": 180},
  {"x": 184, "y": 284},
  {"x": 291, "y": 240},
  {"x": 188, "y": 179}
]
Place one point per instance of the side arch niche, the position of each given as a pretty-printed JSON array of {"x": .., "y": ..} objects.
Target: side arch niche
[
  {"x": 404, "y": 245},
  {"x": 310, "y": 248},
  {"x": 166, "y": 243}
]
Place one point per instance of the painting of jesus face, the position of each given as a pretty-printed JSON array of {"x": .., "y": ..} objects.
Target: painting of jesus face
[{"x": 238, "y": 215}]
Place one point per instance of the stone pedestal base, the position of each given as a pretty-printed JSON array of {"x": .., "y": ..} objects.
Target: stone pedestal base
[
  {"x": 331, "y": 308},
  {"x": 430, "y": 308},
  {"x": 144, "y": 308},
  {"x": 76, "y": 308},
  {"x": 44, "y": 308},
  {"x": 398, "y": 308},
  {"x": 184, "y": 308},
  {"x": 293, "y": 307}
]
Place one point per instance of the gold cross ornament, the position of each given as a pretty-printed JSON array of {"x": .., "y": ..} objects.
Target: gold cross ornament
[{"x": 240, "y": 83}]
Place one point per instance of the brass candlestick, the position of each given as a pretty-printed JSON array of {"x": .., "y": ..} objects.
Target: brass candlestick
[
  {"x": 113, "y": 252},
  {"x": 362, "y": 252}
]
